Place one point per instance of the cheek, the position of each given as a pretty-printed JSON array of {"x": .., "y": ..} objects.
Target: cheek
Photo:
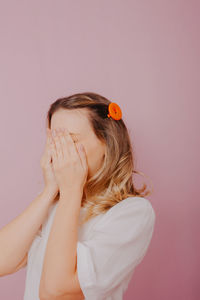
[
  {"x": 93, "y": 150},
  {"x": 94, "y": 154}
]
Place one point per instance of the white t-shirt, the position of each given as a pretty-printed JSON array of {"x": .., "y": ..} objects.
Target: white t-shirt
[{"x": 109, "y": 248}]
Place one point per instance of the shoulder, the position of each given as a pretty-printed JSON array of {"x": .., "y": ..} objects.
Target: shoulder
[
  {"x": 131, "y": 205},
  {"x": 137, "y": 211},
  {"x": 134, "y": 202}
]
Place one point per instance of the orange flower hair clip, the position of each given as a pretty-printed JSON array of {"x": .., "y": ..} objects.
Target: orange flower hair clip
[{"x": 114, "y": 111}]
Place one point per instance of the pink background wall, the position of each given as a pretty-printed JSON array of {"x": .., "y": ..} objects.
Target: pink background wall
[{"x": 143, "y": 55}]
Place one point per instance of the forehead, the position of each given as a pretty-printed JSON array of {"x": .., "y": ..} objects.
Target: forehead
[{"x": 76, "y": 121}]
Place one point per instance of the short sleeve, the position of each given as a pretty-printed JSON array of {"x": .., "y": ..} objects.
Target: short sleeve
[{"x": 118, "y": 243}]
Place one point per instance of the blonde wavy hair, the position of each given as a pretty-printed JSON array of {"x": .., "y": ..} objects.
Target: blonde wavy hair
[{"x": 113, "y": 182}]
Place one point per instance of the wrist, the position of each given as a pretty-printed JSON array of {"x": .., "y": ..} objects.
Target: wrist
[
  {"x": 49, "y": 193},
  {"x": 71, "y": 192}
]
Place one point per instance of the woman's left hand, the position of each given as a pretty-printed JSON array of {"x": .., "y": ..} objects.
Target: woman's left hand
[{"x": 69, "y": 161}]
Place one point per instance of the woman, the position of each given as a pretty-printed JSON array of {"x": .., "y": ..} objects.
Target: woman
[{"x": 84, "y": 234}]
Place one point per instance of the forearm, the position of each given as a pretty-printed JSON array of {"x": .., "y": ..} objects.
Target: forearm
[
  {"x": 16, "y": 237},
  {"x": 60, "y": 256}
]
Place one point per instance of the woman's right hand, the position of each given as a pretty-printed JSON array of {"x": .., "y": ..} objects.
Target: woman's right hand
[{"x": 47, "y": 168}]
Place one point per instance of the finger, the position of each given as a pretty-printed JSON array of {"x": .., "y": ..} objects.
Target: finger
[
  {"x": 46, "y": 154},
  {"x": 53, "y": 150},
  {"x": 63, "y": 142},
  {"x": 48, "y": 150},
  {"x": 58, "y": 146},
  {"x": 48, "y": 145},
  {"x": 83, "y": 157},
  {"x": 72, "y": 151},
  {"x": 47, "y": 139}
]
